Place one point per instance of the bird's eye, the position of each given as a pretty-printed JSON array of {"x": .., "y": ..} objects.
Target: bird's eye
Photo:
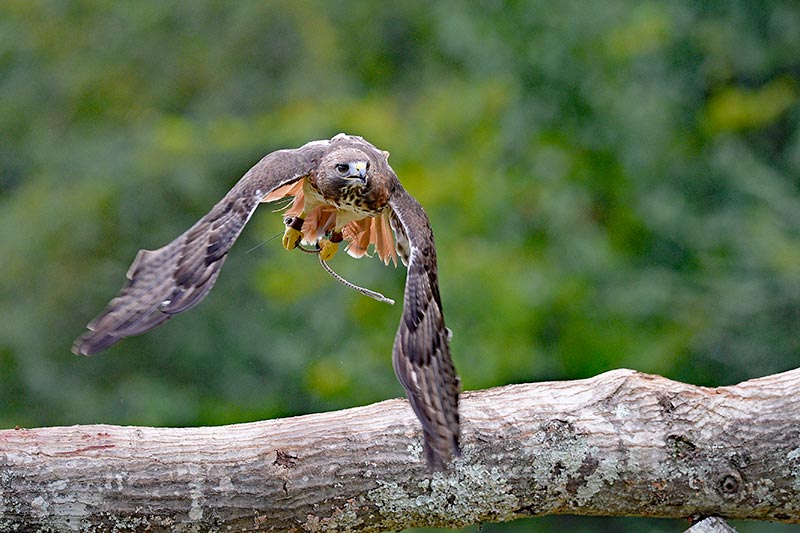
[{"x": 342, "y": 168}]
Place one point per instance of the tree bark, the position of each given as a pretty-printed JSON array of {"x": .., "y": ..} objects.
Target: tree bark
[
  {"x": 711, "y": 524},
  {"x": 621, "y": 443}
]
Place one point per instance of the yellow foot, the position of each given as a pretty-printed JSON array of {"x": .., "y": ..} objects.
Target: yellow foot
[
  {"x": 327, "y": 249},
  {"x": 291, "y": 238}
]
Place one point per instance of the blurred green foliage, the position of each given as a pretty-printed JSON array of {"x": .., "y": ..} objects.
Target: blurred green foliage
[{"x": 611, "y": 185}]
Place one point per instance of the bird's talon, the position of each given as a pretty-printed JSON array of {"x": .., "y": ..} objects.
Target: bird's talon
[
  {"x": 291, "y": 238},
  {"x": 327, "y": 249}
]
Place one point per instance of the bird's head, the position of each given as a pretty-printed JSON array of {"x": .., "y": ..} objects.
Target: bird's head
[
  {"x": 352, "y": 166},
  {"x": 353, "y": 170},
  {"x": 348, "y": 163}
]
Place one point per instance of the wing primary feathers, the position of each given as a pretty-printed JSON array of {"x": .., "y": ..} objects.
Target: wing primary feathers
[
  {"x": 176, "y": 277},
  {"x": 421, "y": 354}
]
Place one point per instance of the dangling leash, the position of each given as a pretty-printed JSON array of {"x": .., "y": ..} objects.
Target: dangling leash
[{"x": 366, "y": 292}]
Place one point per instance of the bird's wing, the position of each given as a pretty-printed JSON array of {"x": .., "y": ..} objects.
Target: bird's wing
[
  {"x": 177, "y": 276},
  {"x": 421, "y": 355}
]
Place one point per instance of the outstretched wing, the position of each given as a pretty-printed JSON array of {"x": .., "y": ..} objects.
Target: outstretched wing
[
  {"x": 177, "y": 276},
  {"x": 421, "y": 355}
]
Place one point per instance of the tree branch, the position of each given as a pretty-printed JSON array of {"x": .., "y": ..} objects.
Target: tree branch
[
  {"x": 711, "y": 524},
  {"x": 621, "y": 443}
]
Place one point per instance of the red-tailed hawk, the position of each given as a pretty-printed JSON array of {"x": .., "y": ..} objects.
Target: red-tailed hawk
[{"x": 343, "y": 190}]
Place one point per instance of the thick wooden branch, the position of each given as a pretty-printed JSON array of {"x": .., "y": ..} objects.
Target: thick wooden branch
[
  {"x": 622, "y": 443},
  {"x": 712, "y": 524}
]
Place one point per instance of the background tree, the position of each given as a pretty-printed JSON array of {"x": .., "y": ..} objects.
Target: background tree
[{"x": 611, "y": 185}]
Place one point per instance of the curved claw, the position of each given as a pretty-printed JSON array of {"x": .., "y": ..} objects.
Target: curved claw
[
  {"x": 291, "y": 238},
  {"x": 327, "y": 249}
]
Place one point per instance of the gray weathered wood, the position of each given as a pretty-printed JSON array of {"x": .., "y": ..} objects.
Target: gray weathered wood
[
  {"x": 621, "y": 443},
  {"x": 712, "y": 524}
]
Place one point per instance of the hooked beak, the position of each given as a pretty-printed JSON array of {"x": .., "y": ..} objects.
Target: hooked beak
[{"x": 361, "y": 169}]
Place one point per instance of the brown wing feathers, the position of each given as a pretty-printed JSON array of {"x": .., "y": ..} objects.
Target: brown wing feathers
[
  {"x": 166, "y": 281},
  {"x": 176, "y": 277},
  {"x": 421, "y": 349}
]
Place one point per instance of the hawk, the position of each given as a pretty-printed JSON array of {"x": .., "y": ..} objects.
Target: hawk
[{"x": 343, "y": 189}]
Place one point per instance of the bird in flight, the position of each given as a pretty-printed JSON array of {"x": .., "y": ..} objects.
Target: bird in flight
[{"x": 343, "y": 190}]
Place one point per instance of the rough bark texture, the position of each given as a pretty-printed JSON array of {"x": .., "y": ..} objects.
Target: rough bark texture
[
  {"x": 711, "y": 524},
  {"x": 622, "y": 443}
]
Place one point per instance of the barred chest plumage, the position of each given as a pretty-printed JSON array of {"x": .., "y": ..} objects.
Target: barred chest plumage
[{"x": 355, "y": 197}]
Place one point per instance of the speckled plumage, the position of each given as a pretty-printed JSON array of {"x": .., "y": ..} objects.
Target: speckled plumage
[{"x": 176, "y": 277}]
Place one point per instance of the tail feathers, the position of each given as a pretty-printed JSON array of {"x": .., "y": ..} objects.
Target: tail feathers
[
  {"x": 358, "y": 233},
  {"x": 385, "y": 242},
  {"x": 374, "y": 231},
  {"x": 318, "y": 223}
]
